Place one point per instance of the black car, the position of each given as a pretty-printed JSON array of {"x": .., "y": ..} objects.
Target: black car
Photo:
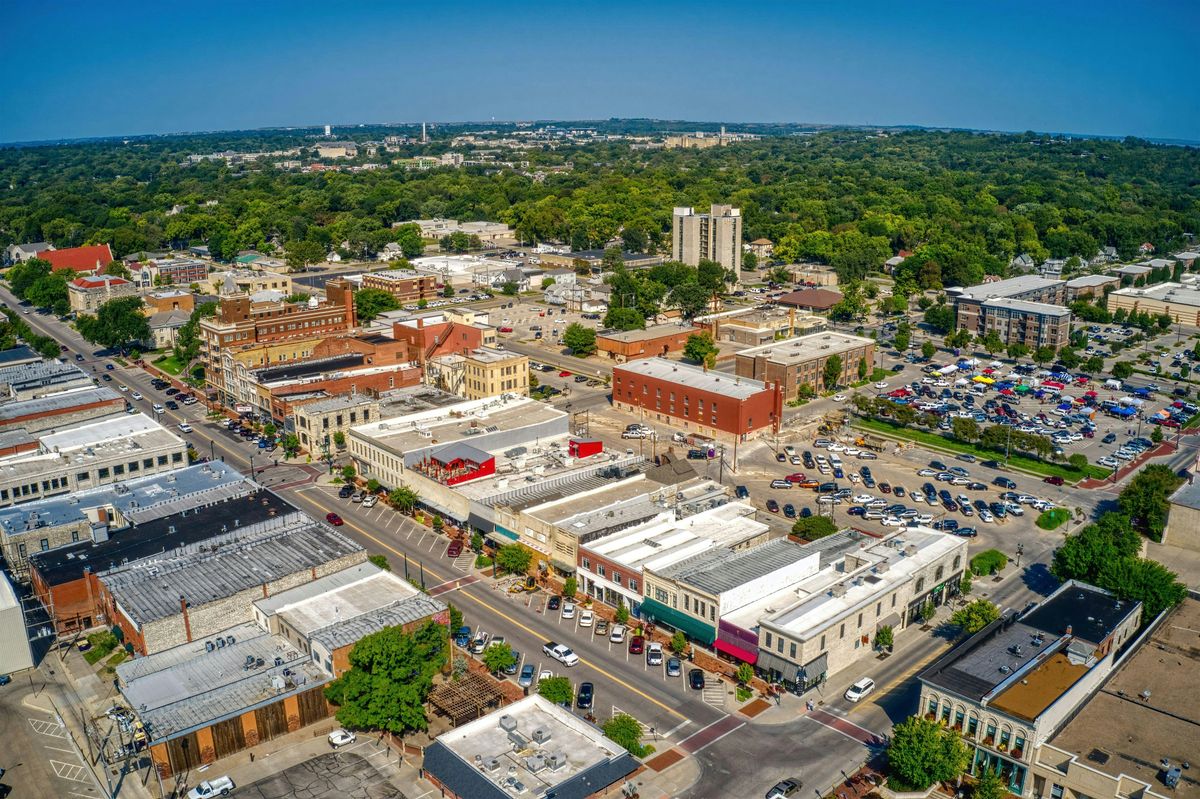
[
  {"x": 941, "y": 467},
  {"x": 172, "y": 404},
  {"x": 772, "y": 506},
  {"x": 581, "y": 378},
  {"x": 789, "y": 511},
  {"x": 741, "y": 492},
  {"x": 172, "y": 391},
  {"x": 779, "y": 456},
  {"x": 587, "y": 692},
  {"x": 696, "y": 679},
  {"x": 106, "y": 377},
  {"x": 965, "y": 532},
  {"x": 555, "y": 603},
  {"x": 990, "y": 464},
  {"x": 346, "y": 492},
  {"x": 1108, "y": 439}
]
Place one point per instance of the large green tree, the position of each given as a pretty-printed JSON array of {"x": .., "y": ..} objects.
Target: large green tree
[
  {"x": 975, "y": 616},
  {"x": 701, "y": 349},
  {"x": 557, "y": 689},
  {"x": 580, "y": 339},
  {"x": 369, "y": 303},
  {"x": 832, "y": 371},
  {"x": 391, "y": 673},
  {"x": 116, "y": 323},
  {"x": 1145, "y": 499},
  {"x": 922, "y": 752},
  {"x": 513, "y": 559}
]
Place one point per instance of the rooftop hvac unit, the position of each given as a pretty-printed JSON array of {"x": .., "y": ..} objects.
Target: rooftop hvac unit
[
  {"x": 541, "y": 734},
  {"x": 209, "y": 646},
  {"x": 508, "y": 723},
  {"x": 220, "y": 643},
  {"x": 229, "y": 639},
  {"x": 535, "y": 763}
]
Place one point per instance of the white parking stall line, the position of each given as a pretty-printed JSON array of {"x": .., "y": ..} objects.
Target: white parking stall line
[
  {"x": 58, "y": 749},
  {"x": 68, "y": 771},
  {"x": 51, "y": 729}
]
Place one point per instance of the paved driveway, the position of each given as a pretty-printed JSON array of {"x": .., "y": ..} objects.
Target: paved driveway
[{"x": 337, "y": 775}]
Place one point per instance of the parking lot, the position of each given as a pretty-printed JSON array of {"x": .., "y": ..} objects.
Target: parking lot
[{"x": 359, "y": 771}]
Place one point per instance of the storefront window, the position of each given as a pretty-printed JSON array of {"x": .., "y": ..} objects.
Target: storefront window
[
  {"x": 972, "y": 726},
  {"x": 933, "y": 704}
]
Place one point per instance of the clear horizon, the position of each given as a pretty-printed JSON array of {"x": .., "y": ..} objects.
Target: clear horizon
[{"x": 1090, "y": 69}]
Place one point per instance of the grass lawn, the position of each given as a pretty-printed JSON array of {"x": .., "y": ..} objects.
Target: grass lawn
[
  {"x": 950, "y": 445},
  {"x": 169, "y": 364},
  {"x": 1053, "y": 519}
]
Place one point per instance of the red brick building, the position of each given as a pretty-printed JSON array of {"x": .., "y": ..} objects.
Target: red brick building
[
  {"x": 427, "y": 337},
  {"x": 714, "y": 404},
  {"x": 630, "y": 345},
  {"x": 403, "y": 285}
]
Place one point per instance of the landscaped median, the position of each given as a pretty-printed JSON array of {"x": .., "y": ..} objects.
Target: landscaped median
[{"x": 1019, "y": 462}]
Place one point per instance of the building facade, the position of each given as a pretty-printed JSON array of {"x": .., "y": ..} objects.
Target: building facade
[
  {"x": 800, "y": 362},
  {"x": 86, "y": 294},
  {"x": 630, "y": 345},
  {"x": 1010, "y": 686},
  {"x": 479, "y": 373},
  {"x": 1025, "y": 310},
  {"x": 716, "y": 405},
  {"x": 404, "y": 285},
  {"x": 715, "y": 236}
]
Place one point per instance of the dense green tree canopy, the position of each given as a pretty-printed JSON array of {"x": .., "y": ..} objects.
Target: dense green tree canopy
[
  {"x": 963, "y": 203},
  {"x": 116, "y": 323},
  {"x": 391, "y": 673}
]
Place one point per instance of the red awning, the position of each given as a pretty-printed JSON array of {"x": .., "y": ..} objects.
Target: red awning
[{"x": 735, "y": 651}]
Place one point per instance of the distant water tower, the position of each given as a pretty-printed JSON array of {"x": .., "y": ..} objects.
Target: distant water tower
[{"x": 328, "y": 130}]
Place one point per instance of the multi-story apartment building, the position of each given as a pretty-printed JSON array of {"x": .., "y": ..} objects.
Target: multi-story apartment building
[
  {"x": 247, "y": 281},
  {"x": 242, "y": 325},
  {"x": 405, "y": 286},
  {"x": 801, "y": 361},
  {"x": 1024, "y": 310},
  {"x": 715, "y": 236},
  {"x": 479, "y": 373},
  {"x": 1012, "y": 685},
  {"x": 629, "y": 345}
]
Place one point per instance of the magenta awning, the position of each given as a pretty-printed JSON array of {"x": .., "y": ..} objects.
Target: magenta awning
[{"x": 735, "y": 651}]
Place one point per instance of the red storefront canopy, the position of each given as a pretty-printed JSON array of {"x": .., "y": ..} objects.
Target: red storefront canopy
[{"x": 735, "y": 651}]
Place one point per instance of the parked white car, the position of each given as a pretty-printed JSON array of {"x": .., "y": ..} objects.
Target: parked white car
[
  {"x": 617, "y": 634},
  {"x": 341, "y": 737},
  {"x": 221, "y": 786},
  {"x": 568, "y": 610},
  {"x": 370, "y": 500},
  {"x": 586, "y": 618}
]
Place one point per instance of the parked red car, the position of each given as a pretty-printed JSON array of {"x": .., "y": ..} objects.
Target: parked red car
[
  {"x": 1053, "y": 480},
  {"x": 564, "y": 373},
  {"x": 637, "y": 645},
  {"x": 455, "y": 549},
  {"x": 334, "y": 519},
  {"x": 506, "y": 330},
  {"x": 798, "y": 477}
]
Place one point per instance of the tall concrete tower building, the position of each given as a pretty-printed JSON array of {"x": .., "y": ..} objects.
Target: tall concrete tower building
[{"x": 715, "y": 236}]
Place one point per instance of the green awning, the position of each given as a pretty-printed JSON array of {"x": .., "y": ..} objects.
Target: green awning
[{"x": 691, "y": 626}]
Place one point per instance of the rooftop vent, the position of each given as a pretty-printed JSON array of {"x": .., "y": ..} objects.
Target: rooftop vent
[
  {"x": 541, "y": 734},
  {"x": 508, "y": 723}
]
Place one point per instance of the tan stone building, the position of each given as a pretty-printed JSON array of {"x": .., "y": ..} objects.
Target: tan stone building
[
  {"x": 479, "y": 373},
  {"x": 247, "y": 281},
  {"x": 1016, "y": 682},
  {"x": 1179, "y": 301},
  {"x": 318, "y": 421},
  {"x": 87, "y": 293},
  {"x": 800, "y": 361},
  {"x": 1183, "y": 522}
]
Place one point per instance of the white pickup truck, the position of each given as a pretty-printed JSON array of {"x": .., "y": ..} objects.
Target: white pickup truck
[
  {"x": 221, "y": 786},
  {"x": 561, "y": 653}
]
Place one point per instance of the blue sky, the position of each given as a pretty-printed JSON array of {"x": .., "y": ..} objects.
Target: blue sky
[{"x": 1100, "y": 67}]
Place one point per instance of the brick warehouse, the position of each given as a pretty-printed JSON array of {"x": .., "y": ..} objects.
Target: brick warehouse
[
  {"x": 801, "y": 361},
  {"x": 200, "y": 589},
  {"x": 721, "y": 406}
]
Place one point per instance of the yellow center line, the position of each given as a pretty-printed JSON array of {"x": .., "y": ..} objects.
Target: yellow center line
[{"x": 508, "y": 618}]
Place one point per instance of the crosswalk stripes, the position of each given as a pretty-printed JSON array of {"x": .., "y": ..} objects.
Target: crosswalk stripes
[
  {"x": 714, "y": 694},
  {"x": 464, "y": 561},
  {"x": 645, "y": 727}
]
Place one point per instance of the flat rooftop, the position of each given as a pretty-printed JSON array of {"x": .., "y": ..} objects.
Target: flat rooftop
[
  {"x": 40, "y": 373},
  {"x": 865, "y": 568},
  {"x": 648, "y": 334},
  {"x": 115, "y": 433},
  {"x": 716, "y": 571},
  {"x": 1187, "y": 495},
  {"x": 1008, "y": 288},
  {"x": 457, "y": 421},
  {"x": 1147, "y": 710},
  {"x": 1043, "y": 308},
  {"x": 339, "y": 402},
  {"x": 216, "y": 516},
  {"x": 487, "y": 757},
  {"x": 149, "y": 589},
  {"x": 545, "y": 473},
  {"x": 56, "y": 403},
  {"x": 187, "y": 687},
  {"x": 1164, "y": 292},
  {"x": 1085, "y": 281},
  {"x": 658, "y": 544},
  {"x": 138, "y": 500},
  {"x": 684, "y": 374},
  {"x": 998, "y": 658},
  {"x": 803, "y": 349}
]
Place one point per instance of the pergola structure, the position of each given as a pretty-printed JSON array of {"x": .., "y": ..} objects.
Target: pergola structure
[{"x": 466, "y": 699}]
